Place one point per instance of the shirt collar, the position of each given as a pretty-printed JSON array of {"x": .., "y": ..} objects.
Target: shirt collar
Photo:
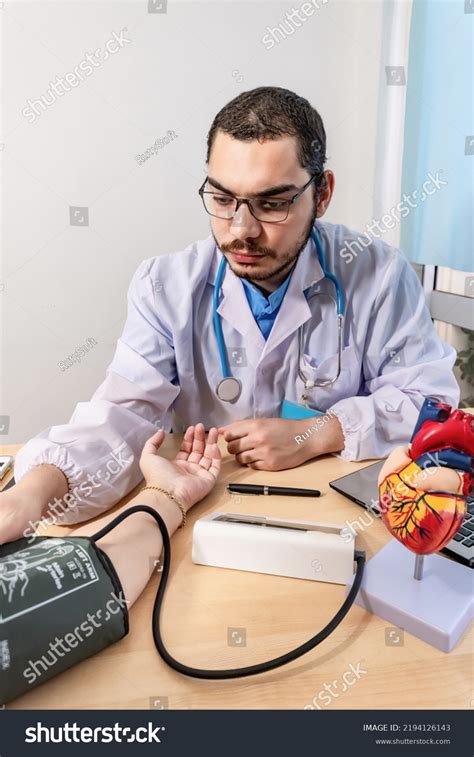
[{"x": 259, "y": 302}]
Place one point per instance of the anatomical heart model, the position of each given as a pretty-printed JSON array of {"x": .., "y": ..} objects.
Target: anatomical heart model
[{"x": 423, "y": 488}]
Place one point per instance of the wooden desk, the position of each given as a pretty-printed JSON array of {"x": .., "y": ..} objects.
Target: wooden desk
[{"x": 277, "y": 614}]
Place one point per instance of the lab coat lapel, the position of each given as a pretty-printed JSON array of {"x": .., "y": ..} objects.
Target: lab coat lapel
[
  {"x": 294, "y": 310},
  {"x": 235, "y": 309}
]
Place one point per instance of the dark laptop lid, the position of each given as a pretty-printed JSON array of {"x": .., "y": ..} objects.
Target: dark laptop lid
[{"x": 361, "y": 485}]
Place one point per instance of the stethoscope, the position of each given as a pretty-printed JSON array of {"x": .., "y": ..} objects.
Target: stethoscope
[{"x": 229, "y": 387}]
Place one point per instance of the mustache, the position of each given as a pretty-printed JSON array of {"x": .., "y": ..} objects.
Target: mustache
[{"x": 237, "y": 246}]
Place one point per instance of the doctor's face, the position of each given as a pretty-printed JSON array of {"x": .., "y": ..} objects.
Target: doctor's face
[{"x": 263, "y": 252}]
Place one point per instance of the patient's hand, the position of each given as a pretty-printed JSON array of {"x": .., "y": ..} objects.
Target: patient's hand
[{"x": 193, "y": 472}]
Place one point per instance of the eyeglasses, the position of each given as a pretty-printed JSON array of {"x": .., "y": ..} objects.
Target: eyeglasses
[{"x": 267, "y": 210}]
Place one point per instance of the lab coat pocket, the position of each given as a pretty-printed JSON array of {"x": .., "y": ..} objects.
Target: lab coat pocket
[{"x": 348, "y": 382}]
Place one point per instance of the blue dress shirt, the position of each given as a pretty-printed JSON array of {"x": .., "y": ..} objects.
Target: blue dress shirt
[{"x": 265, "y": 309}]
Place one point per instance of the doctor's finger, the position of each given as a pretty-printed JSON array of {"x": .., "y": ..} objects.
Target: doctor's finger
[
  {"x": 258, "y": 465},
  {"x": 245, "y": 458},
  {"x": 240, "y": 445},
  {"x": 235, "y": 430}
]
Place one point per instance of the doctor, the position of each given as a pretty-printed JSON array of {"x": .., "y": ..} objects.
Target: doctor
[{"x": 244, "y": 330}]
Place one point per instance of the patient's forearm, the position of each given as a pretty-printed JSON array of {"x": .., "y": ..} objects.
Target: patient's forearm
[
  {"x": 28, "y": 501},
  {"x": 42, "y": 484},
  {"x": 136, "y": 543}
]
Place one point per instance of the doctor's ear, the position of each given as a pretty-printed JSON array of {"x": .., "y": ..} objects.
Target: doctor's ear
[{"x": 325, "y": 192}]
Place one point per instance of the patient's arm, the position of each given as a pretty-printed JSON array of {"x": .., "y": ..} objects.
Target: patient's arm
[
  {"x": 29, "y": 499},
  {"x": 136, "y": 543}
]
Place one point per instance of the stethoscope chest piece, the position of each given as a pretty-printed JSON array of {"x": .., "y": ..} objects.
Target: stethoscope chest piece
[{"x": 229, "y": 389}]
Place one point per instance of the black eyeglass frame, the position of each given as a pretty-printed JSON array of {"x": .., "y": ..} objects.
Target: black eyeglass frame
[{"x": 247, "y": 201}]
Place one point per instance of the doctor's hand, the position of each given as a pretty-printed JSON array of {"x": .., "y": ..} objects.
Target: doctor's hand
[
  {"x": 278, "y": 444},
  {"x": 193, "y": 472}
]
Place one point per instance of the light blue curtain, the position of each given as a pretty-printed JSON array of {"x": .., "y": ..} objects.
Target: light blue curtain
[{"x": 439, "y": 135}]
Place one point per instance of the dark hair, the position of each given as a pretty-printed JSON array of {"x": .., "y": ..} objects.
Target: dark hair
[{"x": 268, "y": 113}]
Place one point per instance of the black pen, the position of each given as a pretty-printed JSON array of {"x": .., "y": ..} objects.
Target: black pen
[{"x": 279, "y": 490}]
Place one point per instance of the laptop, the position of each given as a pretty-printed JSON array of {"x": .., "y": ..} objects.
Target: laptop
[{"x": 361, "y": 487}]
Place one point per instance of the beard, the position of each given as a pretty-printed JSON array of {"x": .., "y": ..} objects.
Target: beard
[{"x": 282, "y": 263}]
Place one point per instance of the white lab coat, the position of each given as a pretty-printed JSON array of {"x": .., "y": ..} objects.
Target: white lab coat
[{"x": 166, "y": 365}]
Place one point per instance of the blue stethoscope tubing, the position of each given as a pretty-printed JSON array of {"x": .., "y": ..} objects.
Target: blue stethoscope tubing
[{"x": 229, "y": 387}]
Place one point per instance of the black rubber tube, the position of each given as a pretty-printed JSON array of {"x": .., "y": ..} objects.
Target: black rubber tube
[{"x": 261, "y": 667}]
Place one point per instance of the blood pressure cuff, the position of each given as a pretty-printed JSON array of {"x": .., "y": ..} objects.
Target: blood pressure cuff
[{"x": 61, "y": 601}]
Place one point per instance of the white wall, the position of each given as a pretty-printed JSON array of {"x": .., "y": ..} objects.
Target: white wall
[{"x": 62, "y": 284}]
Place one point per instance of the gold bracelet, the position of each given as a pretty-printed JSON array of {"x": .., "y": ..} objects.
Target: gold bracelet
[{"x": 171, "y": 496}]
